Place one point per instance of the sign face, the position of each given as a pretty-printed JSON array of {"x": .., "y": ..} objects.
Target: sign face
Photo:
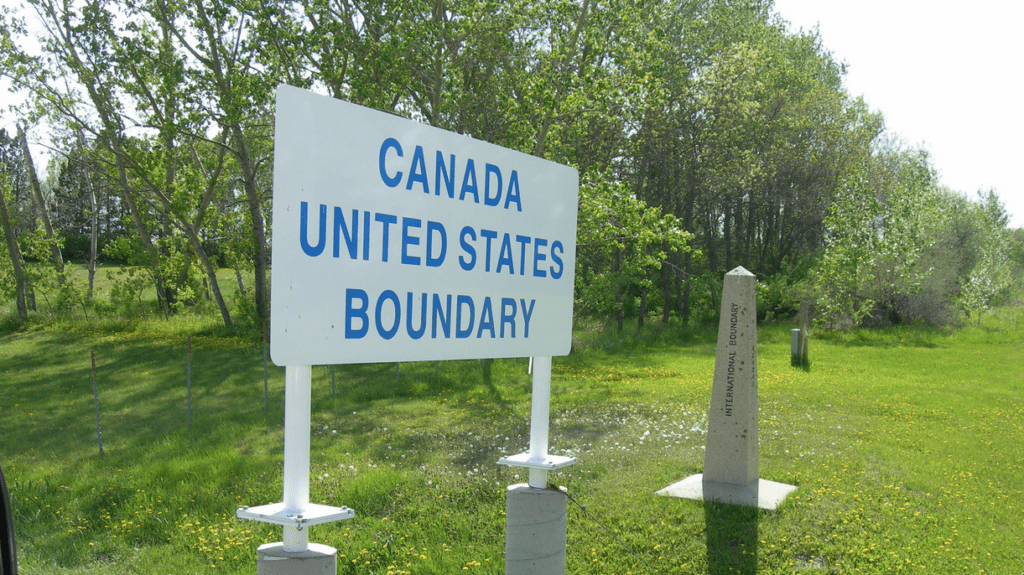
[{"x": 397, "y": 241}]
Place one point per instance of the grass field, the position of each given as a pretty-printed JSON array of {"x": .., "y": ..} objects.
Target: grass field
[{"x": 907, "y": 447}]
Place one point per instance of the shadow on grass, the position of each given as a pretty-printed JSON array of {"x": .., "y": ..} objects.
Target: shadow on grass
[
  {"x": 802, "y": 364},
  {"x": 731, "y": 538},
  {"x": 142, "y": 395},
  {"x": 48, "y": 396},
  {"x": 363, "y": 383}
]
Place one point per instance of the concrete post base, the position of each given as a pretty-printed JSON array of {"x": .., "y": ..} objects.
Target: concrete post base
[
  {"x": 272, "y": 559},
  {"x": 760, "y": 493},
  {"x": 535, "y": 530}
]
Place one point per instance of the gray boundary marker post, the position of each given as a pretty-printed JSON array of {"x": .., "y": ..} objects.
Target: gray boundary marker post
[
  {"x": 295, "y": 514},
  {"x": 536, "y": 515},
  {"x": 731, "y": 458},
  {"x": 804, "y": 319},
  {"x": 798, "y": 348},
  {"x": 96, "y": 401}
]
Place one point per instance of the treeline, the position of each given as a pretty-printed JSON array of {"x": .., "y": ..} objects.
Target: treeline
[{"x": 707, "y": 136}]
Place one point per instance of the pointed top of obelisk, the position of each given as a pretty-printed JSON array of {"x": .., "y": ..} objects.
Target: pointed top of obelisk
[{"x": 739, "y": 271}]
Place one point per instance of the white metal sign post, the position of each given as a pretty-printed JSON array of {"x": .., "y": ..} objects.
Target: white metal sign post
[
  {"x": 296, "y": 514},
  {"x": 537, "y": 459},
  {"x": 396, "y": 241},
  {"x": 536, "y": 516}
]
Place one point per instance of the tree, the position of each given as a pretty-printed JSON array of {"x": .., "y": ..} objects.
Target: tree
[
  {"x": 87, "y": 211},
  {"x": 704, "y": 116},
  {"x": 42, "y": 209},
  {"x": 12, "y": 178},
  {"x": 171, "y": 176},
  {"x": 883, "y": 218},
  {"x": 622, "y": 244},
  {"x": 78, "y": 85},
  {"x": 223, "y": 77},
  {"x": 21, "y": 283},
  {"x": 739, "y": 130},
  {"x": 991, "y": 276}
]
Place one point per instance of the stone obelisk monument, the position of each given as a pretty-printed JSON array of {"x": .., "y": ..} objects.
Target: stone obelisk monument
[{"x": 731, "y": 457}]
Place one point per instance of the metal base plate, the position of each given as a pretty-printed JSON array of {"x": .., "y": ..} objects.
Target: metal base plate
[
  {"x": 277, "y": 514},
  {"x": 548, "y": 462}
]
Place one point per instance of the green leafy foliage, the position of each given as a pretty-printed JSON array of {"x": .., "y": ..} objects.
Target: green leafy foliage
[
  {"x": 126, "y": 288},
  {"x": 709, "y": 136},
  {"x": 779, "y": 296},
  {"x": 878, "y": 228},
  {"x": 991, "y": 277},
  {"x": 622, "y": 243}
]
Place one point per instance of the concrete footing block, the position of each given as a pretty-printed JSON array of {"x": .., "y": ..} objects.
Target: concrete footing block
[
  {"x": 535, "y": 530},
  {"x": 272, "y": 559}
]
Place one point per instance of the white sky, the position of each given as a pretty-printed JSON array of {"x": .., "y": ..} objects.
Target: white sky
[{"x": 947, "y": 76}]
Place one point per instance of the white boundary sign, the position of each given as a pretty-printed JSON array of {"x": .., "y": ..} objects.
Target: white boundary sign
[{"x": 398, "y": 241}]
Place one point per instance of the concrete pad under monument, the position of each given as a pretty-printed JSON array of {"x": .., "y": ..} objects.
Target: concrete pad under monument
[{"x": 731, "y": 464}]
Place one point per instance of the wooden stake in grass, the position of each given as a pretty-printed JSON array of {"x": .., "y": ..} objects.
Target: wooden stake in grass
[
  {"x": 96, "y": 400},
  {"x": 332, "y": 381},
  {"x": 188, "y": 381}
]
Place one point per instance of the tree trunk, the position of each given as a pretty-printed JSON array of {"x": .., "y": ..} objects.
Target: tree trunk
[
  {"x": 140, "y": 224},
  {"x": 94, "y": 221},
  {"x": 15, "y": 253},
  {"x": 258, "y": 229},
  {"x": 211, "y": 273},
  {"x": 688, "y": 221},
  {"x": 238, "y": 276},
  {"x": 751, "y": 235},
  {"x": 619, "y": 319},
  {"x": 44, "y": 214},
  {"x": 666, "y": 289},
  {"x": 728, "y": 221},
  {"x": 739, "y": 237},
  {"x": 683, "y": 301},
  {"x": 93, "y": 237},
  {"x": 643, "y": 308}
]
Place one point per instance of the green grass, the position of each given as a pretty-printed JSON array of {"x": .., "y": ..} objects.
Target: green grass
[{"x": 907, "y": 447}]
